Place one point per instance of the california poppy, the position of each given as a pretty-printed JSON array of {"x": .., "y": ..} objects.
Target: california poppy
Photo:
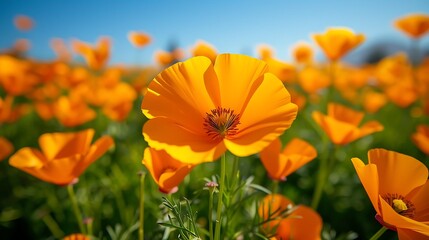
[
  {"x": 281, "y": 162},
  {"x": 165, "y": 58},
  {"x": 6, "y": 148},
  {"x": 373, "y": 101},
  {"x": 166, "y": 171},
  {"x": 15, "y": 77},
  {"x": 302, "y": 53},
  {"x": 95, "y": 56},
  {"x": 301, "y": 222},
  {"x": 421, "y": 138},
  {"x": 203, "y": 48},
  {"x": 284, "y": 71},
  {"x": 118, "y": 107},
  {"x": 413, "y": 25},
  {"x": 23, "y": 23},
  {"x": 76, "y": 236},
  {"x": 398, "y": 188},
  {"x": 337, "y": 42},
  {"x": 63, "y": 156},
  {"x": 71, "y": 111},
  {"x": 197, "y": 110},
  {"x": 61, "y": 50},
  {"x": 342, "y": 124},
  {"x": 139, "y": 39},
  {"x": 10, "y": 112},
  {"x": 313, "y": 80}
]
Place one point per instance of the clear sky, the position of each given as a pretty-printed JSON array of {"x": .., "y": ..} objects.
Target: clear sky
[{"x": 230, "y": 25}]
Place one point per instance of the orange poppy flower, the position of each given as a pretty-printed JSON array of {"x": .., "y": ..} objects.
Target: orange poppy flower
[
  {"x": 63, "y": 156},
  {"x": 413, "y": 25},
  {"x": 21, "y": 45},
  {"x": 337, "y": 42},
  {"x": 373, "y": 101},
  {"x": 10, "y": 112},
  {"x": 394, "y": 69},
  {"x": 73, "y": 112},
  {"x": 202, "y": 48},
  {"x": 166, "y": 171},
  {"x": 284, "y": 71},
  {"x": 45, "y": 110},
  {"x": 303, "y": 53},
  {"x": 342, "y": 124},
  {"x": 118, "y": 107},
  {"x": 6, "y": 148},
  {"x": 403, "y": 93},
  {"x": 165, "y": 58},
  {"x": 265, "y": 52},
  {"x": 95, "y": 56},
  {"x": 303, "y": 223},
  {"x": 139, "y": 39},
  {"x": 76, "y": 236},
  {"x": 297, "y": 98},
  {"x": 14, "y": 76},
  {"x": 281, "y": 163},
  {"x": 398, "y": 188},
  {"x": 421, "y": 138},
  {"x": 23, "y": 23},
  {"x": 197, "y": 110},
  {"x": 60, "y": 48},
  {"x": 313, "y": 80}
]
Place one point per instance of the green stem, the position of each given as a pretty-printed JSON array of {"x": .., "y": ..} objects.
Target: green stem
[
  {"x": 219, "y": 202},
  {"x": 210, "y": 214},
  {"x": 275, "y": 187},
  {"x": 378, "y": 233},
  {"x": 53, "y": 226},
  {"x": 76, "y": 209},
  {"x": 141, "y": 227},
  {"x": 89, "y": 227},
  {"x": 322, "y": 176}
]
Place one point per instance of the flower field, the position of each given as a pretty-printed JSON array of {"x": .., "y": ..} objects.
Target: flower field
[{"x": 202, "y": 144}]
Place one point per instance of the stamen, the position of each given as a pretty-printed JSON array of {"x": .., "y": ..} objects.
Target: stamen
[
  {"x": 221, "y": 123},
  {"x": 400, "y": 204}
]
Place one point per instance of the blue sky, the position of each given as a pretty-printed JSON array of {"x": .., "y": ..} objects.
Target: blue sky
[{"x": 232, "y": 26}]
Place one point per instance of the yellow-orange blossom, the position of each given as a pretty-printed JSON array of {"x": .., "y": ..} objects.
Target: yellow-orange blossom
[{"x": 197, "y": 110}]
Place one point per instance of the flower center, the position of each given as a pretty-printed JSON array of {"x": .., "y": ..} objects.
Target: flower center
[
  {"x": 221, "y": 123},
  {"x": 400, "y": 204}
]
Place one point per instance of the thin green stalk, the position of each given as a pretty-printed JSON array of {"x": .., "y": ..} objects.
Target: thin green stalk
[
  {"x": 89, "y": 227},
  {"x": 322, "y": 176},
  {"x": 219, "y": 202},
  {"x": 378, "y": 233},
  {"x": 53, "y": 226},
  {"x": 76, "y": 209},
  {"x": 210, "y": 213},
  {"x": 141, "y": 227},
  {"x": 275, "y": 188}
]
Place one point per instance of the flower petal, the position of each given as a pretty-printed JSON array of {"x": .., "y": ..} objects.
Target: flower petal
[
  {"x": 420, "y": 201},
  {"x": 181, "y": 143},
  {"x": 166, "y": 171},
  {"x": 368, "y": 176},
  {"x": 257, "y": 129},
  {"x": 61, "y": 145},
  {"x": 183, "y": 92},
  {"x": 95, "y": 151},
  {"x": 393, "y": 218},
  {"x": 239, "y": 76},
  {"x": 298, "y": 152},
  {"x": 336, "y": 130},
  {"x": 397, "y": 173},
  {"x": 270, "y": 158},
  {"x": 303, "y": 224}
]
